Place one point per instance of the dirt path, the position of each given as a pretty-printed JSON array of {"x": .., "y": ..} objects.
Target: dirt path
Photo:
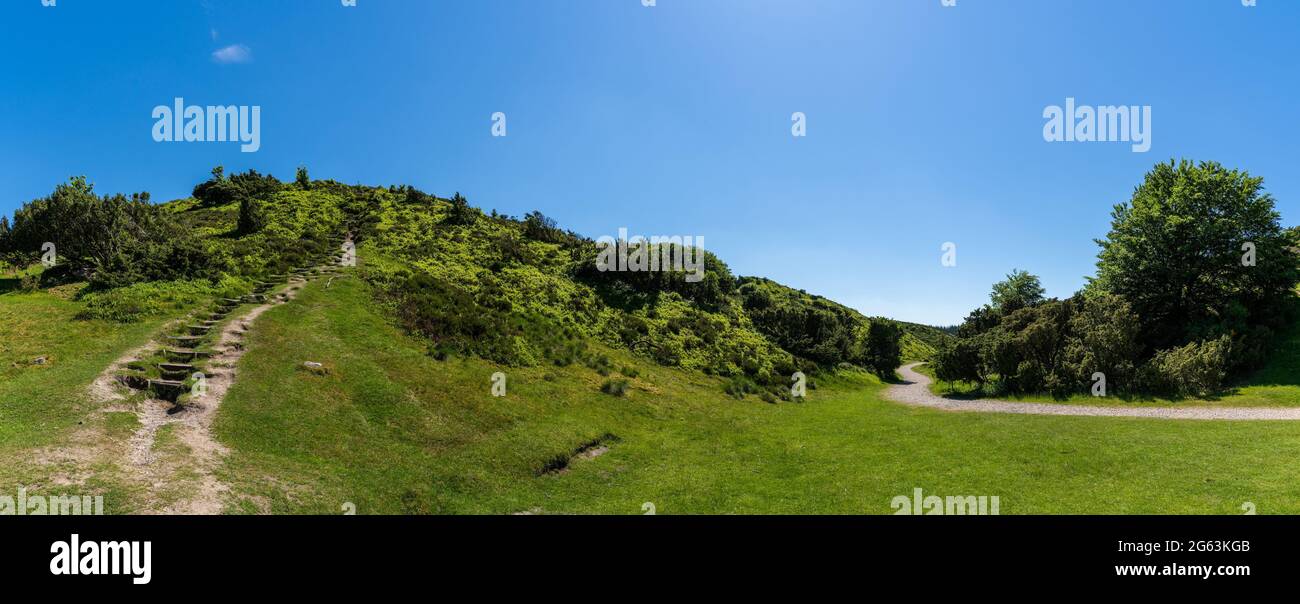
[
  {"x": 915, "y": 390},
  {"x": 187, "y": 485}
]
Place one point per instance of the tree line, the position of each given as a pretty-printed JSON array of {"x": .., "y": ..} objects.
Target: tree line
[{"x": 1195, "y": 280}]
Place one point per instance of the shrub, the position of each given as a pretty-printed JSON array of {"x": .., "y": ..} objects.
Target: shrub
[
  {"x": 739, "y": 386},
  {"x": 29, "y": 282},
  {"x": 540, "y": 227},
  {"x": 615, "y": 387},
  {"x": 601, "y": 364},
  {"x": 1197, "y": 369}
]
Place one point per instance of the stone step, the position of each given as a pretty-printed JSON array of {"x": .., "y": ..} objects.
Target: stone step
[
  {"x": 134, "y": 382},
  {"x": 185, "y": 352}
]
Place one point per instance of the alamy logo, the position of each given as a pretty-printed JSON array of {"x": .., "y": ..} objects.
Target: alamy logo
[
  {"x": 349, "y": 253},
  {"x": 53, "y": 505},
  {"x": 934, "y": 505},
  {"x": 200, "y": 387},
  {"x": 658, "y": 253},
  {"x": 949, "y": 257},
  {"x": 1107, "y": 123},
  {"x": 214, "y": 123},
  {"x": 74, "y": 557},
  {"x": 49, "y": 255},
  {"x": 799, "y": 387}
]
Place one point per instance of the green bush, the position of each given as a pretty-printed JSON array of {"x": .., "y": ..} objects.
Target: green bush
[
  {"x": 1197, "y": 369},
  {"x": 739, "y": 386},
  {"x": 601, "y": 364},
  {"x": 615, "y": 387}
]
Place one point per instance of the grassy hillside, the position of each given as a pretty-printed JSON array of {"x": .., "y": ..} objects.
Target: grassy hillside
[
  {"x": 620, "y": 389},
  {"x": 394, "y": 431}
]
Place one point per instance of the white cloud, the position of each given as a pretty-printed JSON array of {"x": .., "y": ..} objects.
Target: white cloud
[{"x": 235, "y": 53}]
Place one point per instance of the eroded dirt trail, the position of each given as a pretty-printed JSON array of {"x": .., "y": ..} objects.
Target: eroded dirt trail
[{"x": 182, "y": 479}]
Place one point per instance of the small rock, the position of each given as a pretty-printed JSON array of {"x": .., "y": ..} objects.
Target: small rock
[{"x": 40, "y": 360}]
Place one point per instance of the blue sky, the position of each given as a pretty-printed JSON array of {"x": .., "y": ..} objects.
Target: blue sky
[{"x": 924, "y": 121}]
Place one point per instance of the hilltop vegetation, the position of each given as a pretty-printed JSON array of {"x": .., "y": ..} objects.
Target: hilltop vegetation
[{"x": 520, "y": 292}]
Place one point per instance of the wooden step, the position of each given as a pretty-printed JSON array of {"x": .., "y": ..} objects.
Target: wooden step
[{"x": 175, "y": 367}]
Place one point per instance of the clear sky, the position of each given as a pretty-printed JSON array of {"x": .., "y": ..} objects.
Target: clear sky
[{"x": 924, "y": 122}]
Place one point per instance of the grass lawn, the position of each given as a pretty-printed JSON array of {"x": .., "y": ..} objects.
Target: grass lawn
[{"x": 392, "y": 430}]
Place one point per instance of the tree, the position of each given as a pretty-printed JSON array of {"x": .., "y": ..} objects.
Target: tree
[
  {"x": 460, "y": 213},
  {"x": 1177, "y": 252},
  {"x": 220, "y": 190},
  {"x": 303, "y": 180},
  {"x": 959, "y": 361},
  {"x": 541, "y": 227},
  {"x": 252, "y": 217},
  {"x": 881, "y": 349},
  {"x": 4, "y": 235},
  {"x": 1019, "y": 290}
]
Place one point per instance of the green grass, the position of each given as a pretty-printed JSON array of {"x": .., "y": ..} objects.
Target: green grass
[
  {"x": 46, "y": 405},
  {"x": 394, "y": 431}
]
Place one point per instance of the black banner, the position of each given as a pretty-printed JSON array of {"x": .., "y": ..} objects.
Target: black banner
[{"x": 1117, "y": 552}]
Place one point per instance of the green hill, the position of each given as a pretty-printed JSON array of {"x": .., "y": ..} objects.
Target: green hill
[{"x": 620, "y": 389}]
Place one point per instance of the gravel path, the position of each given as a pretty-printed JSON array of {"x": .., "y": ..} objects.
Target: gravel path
[{"x": 915, "y": 390}]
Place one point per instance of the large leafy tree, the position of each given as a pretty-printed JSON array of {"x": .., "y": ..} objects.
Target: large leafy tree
[
  {"x": 1019, "y": 290},
  {"x": 1177, "y": 252}
]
